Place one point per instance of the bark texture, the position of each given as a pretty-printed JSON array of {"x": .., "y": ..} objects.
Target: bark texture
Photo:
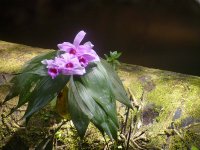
[{"x": 166, "y": 113}]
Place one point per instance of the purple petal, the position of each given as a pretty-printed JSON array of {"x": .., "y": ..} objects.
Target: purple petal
[
  {"x": 59, "y": 61},
  {"x": 70, "y": 65},
  {"x": 83, "y": 61},
  {"x": 91, "y": 56},
  {"x": 88, "y": 45},
  {"x": 47, "y": 62},
  {"x": 76, "y": 63},
  {"x": 73, "y": 71},
  {"x": 94, "y": 54},
  {"x": 84, "y": 48},
  {"x": 78, "y": 71},
  {"x": 66, "y": 46},
  {"x": 79, "y": 37},
  {"x": 53, "y": 72},
  {"x": 67, "y": 56}
]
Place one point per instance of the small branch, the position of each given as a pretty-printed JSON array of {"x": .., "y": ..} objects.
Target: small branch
[
  {"x": 179, "y": 135},
  {"x": 129, "y": 135},
  {"x": 138, "y": 147},
  {"x": 125, "y": 125}
]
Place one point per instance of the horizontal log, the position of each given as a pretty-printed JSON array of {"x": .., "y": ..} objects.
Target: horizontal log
[{"x": 166, "y": 113}]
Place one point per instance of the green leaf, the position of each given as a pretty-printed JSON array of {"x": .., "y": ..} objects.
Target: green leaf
[
  {"x": 33, "y": 66},
  {"x": 45, "y": 91},
  {"x": 39, "y": 69},
  {"x": 37, "y": 60},
  {"x": 36, "y": 67},
  {"x": 101, "y": 117},
  {"x": 117, "y": 55},
  {"x": 20, "y": 83},
  {"x": 99, "y": 89},
  {"x": 106, "y": 56},
  {"x": 115, "y": 83},
  {"x": 30, "y": 83},
  {"x": 15, "y": 89},
  {"x": 27, "y": 120},
  {"x": 79, "y": 118},
  {"x": 27, "y": 84},
  {"x": 87, "y": 106}
]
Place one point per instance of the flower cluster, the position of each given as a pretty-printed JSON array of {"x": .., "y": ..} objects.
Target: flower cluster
[{"x": 75, "y": 58}]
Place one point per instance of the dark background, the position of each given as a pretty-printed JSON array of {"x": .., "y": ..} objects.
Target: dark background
[{"x": 162, "y": 34}]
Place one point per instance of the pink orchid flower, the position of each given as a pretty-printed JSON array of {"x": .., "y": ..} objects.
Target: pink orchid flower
[
  {"x": 53, "y": 70},
  {"x": 84, "y": 52},
  {"x": 66, "y": 64},
  {"x": 69, "y": 65},
  {"x": 75, "y": 58}
]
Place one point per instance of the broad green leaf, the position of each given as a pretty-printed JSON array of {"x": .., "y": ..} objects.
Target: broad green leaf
[
  {"x": 35, "y": 66},
  {"x": 27, "y": 85},
  {"x": 99, "y": 89},
  {"x": 21, "y": 82},
  {"x": 39, "y": 69},
  {"x": 89, "y": 106},
  {"x": 27, "y": 120},
  {"x": 15, "y": 89},
  {"x": 30, "y": 82},
  {"x": 37, "y": 60},
  {"x": 44, "y": 92},
  {"x": 115, "y": 83},
  {"x": 79, "y": 118}
]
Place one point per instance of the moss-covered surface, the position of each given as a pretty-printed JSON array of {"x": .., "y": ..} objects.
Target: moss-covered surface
[
  {"x": 14, "y": 55},
  {"x": 166, "y": 116},
  {"x": 167, "y": 98}
]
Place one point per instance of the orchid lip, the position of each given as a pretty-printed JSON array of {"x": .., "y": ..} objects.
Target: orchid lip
[
  {"x": 53, "y": 70},
  {"x": 72, "y": 51},
  {"x": 69, "y": 65},
  {"x": 81, "y": 59}
]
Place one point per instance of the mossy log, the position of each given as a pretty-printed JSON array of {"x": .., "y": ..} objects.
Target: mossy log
[{"x": 166, "y": 111}]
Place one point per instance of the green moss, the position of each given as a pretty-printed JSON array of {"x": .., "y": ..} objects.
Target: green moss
[
  {"x": 172, "y": 92},
  {"x": 156, "y": 142},
  {"x": 176, "y": 143},
  {"x": 17, "y": 55},
  {"x": 68, "y": 136},
  {"x": 165, "y": 91},
  {"x": 3, "y": 91},
  {"x": 192, "y": 135},
  {"x": 137, "y": 89}
]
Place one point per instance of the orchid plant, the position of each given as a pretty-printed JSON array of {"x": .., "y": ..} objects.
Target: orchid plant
[{"x": 90, "y": 84}]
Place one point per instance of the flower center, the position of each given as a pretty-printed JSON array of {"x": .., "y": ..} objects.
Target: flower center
[
  {"x": 69, "y": 65},
  {"x": 72, "y": 51},
  {"x": 82, "y": 60},
  {"x": 53, "y": 70}
]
